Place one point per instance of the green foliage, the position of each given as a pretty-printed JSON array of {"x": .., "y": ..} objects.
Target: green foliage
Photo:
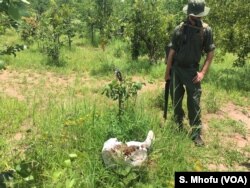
[
  {"x": 146, "y": 25},
  {"x": 28, "y": 29},
  {"x": 230, "y": 21},
  {"x": 148, "y": 22},
  {"x": 158, "y": 100},
  {"x": 12, "y": 49},
  {"x": 95, "y": 18},
  {"x": 104, "y": 10},
  {"x": 39, "y": 7},
  {"x": 121, "y": 91},
  {"x": 70, "y": 23},
  {"x": 87, "y": 14},
  {"x": 173, "y": 6},
  {"x": 5, "y": 22},
  {"x": 49, "y": 33},
  {"x": 13, "y": 8},
  {"x": 58, "y": 21},
  {"x": 230, "y": 78},
  {"x": 119, "y": 49},
  {"x": 211, "y": 102},
  {"x": 2, "y": 65},
  {"x": 125, "y": 89}
]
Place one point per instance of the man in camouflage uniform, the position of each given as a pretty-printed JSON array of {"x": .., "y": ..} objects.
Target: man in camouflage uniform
[{"x": 190, "y": 39}]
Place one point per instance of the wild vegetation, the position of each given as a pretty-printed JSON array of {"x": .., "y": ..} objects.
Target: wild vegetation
[{"x": 58, "y": 59}]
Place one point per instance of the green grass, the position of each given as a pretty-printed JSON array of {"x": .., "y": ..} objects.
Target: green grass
[
  {"x": 212, "y": 101},
  {"x": 229, "y": 126},
  {"x": 229, "y": 79},
  {"x": 69, "y": 117}
]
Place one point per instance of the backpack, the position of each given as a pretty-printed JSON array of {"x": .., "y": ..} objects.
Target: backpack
[{"x": 182, "y": 25}]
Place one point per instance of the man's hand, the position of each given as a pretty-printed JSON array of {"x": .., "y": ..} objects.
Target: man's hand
[{"x": 199, "y": 77}]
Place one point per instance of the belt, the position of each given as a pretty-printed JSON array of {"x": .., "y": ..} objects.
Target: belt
[{"x": 188, "y": 66}]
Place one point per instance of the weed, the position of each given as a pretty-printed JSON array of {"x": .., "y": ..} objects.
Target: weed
[
  {"x": 234, "y": 156},
  {"x": 212, "y": 103}
]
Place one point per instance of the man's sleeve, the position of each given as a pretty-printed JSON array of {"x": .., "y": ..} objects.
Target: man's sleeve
[{"x": 209, "y": 42}]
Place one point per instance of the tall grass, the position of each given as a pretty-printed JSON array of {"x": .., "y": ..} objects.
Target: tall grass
[
  {"x": 62, "y": 144},
  {"x": 81, "y": 128},
  {"x": 224, "y": 76}
]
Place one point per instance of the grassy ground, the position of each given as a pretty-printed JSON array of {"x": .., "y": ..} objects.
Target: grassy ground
[{"x": 54, "y": 120}]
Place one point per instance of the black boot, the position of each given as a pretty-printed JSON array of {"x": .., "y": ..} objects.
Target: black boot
[{"x": 198, "y": 141}]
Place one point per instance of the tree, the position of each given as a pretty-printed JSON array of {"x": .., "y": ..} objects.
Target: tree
[
  {"x": 70, "y": 22},
  {"x": 148, "y": 29},
  {"x": 86, "y": 11},
  {"x": 28, "y": 28},
  {"x": 49, "y": 33},
  {"x": 39, "y": 7},
  {"x": 104, "y": 11},
  {"x": 12, "y": 10},
  {"x": 231, "y": 23}
]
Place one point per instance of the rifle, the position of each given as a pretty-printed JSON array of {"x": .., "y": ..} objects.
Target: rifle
[
  {"x": 167, "y": 85},
  {"x": 166, "y": 95}
]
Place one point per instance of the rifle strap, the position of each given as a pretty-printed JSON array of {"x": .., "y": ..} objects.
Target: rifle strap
[{"x": 202, "y": 29}]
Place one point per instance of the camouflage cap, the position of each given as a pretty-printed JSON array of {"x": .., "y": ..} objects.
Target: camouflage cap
[{"x": 196, "y": 8}]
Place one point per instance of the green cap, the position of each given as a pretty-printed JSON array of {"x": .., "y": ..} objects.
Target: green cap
[{"x": 196, "y": 8}]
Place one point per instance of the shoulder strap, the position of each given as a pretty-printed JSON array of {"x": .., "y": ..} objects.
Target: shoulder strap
[{"x": 202, "y": 29}]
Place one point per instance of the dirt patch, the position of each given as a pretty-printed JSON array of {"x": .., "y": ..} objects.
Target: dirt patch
[
  {"x": 13, "y": 92},
  {"x": 238, "y": 113},
  {"x": 18, "y": 136},
  {"x": 152, "y": 87},
  {"x": 20, "y": 85},
  {"x": 208, "y": 117},
  {"x": 233, "y": 140},
  {"x": 233, "y": 112},
  {"x": 217, "y": 167},
  {"x": 9, "y": 84}
]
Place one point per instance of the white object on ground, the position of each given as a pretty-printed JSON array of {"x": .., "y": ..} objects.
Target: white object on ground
[{"x": 133, "y": 153}]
